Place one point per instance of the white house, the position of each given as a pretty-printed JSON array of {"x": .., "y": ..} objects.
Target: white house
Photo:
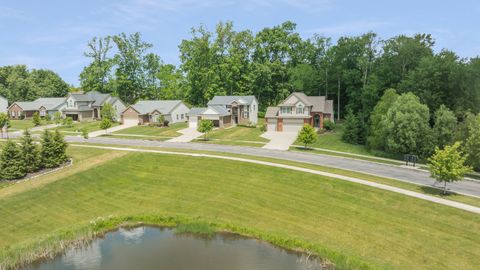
[
  {"x": 148, "y": 111},
  {"x": 3, "y": 105},
  {"x": 225, "y": 111}
]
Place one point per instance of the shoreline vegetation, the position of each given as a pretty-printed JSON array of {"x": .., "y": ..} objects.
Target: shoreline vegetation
[{"x": 55, "y": 244}]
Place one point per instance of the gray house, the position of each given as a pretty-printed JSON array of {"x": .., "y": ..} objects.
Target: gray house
[
  {"x": 43, "y": 106},
  {"x": 88, "y": 106},
  {"x": 225, "y": 111},
  {"x": 3, "y": 105},
  {"x": 148, "y": 111}
]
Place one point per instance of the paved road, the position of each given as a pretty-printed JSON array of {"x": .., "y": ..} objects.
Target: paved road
[{"x": 390, "y": 171}]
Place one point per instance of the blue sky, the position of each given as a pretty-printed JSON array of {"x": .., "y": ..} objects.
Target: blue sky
[{"x": 53, "y": 33}]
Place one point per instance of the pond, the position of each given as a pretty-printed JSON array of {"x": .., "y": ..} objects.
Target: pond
[{"x": 146, "y": 248}]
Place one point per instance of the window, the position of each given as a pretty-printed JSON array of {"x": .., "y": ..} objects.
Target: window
[
  {"x": 300, "y": 109},
  {"x": 181, "y": 116},
  {"x": 70, "y": 103},
  {"x": 177, "y": 116},
  {"x": 286, "y": 110},
  {"x": 245, "y": 114},
  {"x": 12, "y": 113},
  {"x": 42, "y": 113},
  {"x": 253, "y": 107}
]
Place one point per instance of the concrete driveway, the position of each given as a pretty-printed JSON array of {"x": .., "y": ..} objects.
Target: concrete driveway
[
  {"x": 188, "y": 134},
  {"x": 97, "y": 133},
  {"x": 279, "y": 140}
]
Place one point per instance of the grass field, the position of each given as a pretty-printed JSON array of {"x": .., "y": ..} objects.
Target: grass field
[
  {"x": 78, "y": 126},
  {"x": 355, "y": 226},
  {"x": 154, "y": 133},
  {"x": 23, "y": 124}
]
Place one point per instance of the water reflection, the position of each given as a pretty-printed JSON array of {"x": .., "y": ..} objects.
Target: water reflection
[{"x": 146, "y": 248}]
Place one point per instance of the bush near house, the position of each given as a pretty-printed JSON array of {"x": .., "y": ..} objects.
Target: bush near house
[{"x": 307, "y": 135}]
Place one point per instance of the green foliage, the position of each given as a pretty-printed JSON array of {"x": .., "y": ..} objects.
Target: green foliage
[
  {"x": 68, "y": 122},
  {"x": 36, "y": 119},
  {"x": 4, "y": 122},
  {"x": 48, "y": 117},
  {"x": 161, "y": 119},
  {"x": 407, "y": 126},
  {"x": 84, "y": 131},
  {"x": 445, "y": 126},
  {"x": 196, "y": 228},
  {"x": 53, "y": 150},
  {"x": 98, "y": 74},
  {"x": 448, "y": 165},
  {"x": 328, "y": 124},
  {"x": 352, "y": 129},
  {"x": 307, "y": 135},
  {"x": 204, "y": 127},
  {"x": 105, "y": 124},
  {"x": 12, "y": 164},
  {"x": 57, "y": 117},
  {"x": 378, "y": 132},
  {"x": 109, "y": 112},
  {"x": 472, "y": 146},
  {"x": 30, "y": 153}
]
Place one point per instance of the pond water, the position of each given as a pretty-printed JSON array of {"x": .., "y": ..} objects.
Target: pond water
[{"x": 146, "y": 248}]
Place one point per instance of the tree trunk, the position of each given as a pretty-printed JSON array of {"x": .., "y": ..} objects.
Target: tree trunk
[{"x": 445, "y": 188}]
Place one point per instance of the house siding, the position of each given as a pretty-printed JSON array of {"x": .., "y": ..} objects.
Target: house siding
[
  {"x": 130, "y": 113},
  {"x": 15, "y": 111}
]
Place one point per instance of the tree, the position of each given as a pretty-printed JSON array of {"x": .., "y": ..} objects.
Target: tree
[
  {"x": 60, "y": 148},
  {"x": 4, "y": 122},
  {"x": 108, "y": 111},
  {"x": 84, "y": 131},
  {"x": 36, "y": 119},
  {"x": 97, "y": 76},
  {"x": 448, "y": 165},
  {"x": 53, "y": 150},
  {"x": 472, "y": 146},
  {"x": 12, "y": 163},
  {"x": 105, "y": 124},
  {"x": 445, "y": 126},
  {"x": 352, "y": 129},
  {"x": 307, "y": 135},
  {"x": 377, "y": 134},
  {"x": 161, "y": 119},
  {"x": 407, "y": 126},
  {"x": 30, "y": 152},
  {"x": 68, "y": 121},
  {"x": 57, "y": 117},
  {"x": 204, "y": 127}
]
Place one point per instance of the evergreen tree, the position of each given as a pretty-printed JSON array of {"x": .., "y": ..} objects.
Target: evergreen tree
[
  {"x": 48, "y": 152},
  {"x": 36, "y": 119},
  {"x": 60, "y": 148},
  {"x": 307, "y": 135},
  {"x": 352, "y": 129},
  {"x": 30, "y": 152},
  {"x": 12, "y": 165}
]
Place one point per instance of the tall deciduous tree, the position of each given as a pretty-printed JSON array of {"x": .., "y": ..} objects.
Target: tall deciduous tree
[
  {"x": 98, "y": 74},
  {"x": 445, "y": 126},
  {"x": 472, "y": 146},
  {"x": 378, "y": 131}
]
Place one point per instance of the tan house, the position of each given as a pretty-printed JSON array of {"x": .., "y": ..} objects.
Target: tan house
[
  {"x": 299, "y": 109},
  {"x": 149, "y": 111},
  {"x": 88, "y": 106},
  {"x": 226, "y": 111},
  {"x": 43, "y": 106}
]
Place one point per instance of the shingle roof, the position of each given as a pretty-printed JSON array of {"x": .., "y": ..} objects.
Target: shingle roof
[
  {"x": 163, "y": 106},
  {"x": 48, "y": 103},
  {"x": 221, "y": 110},
  {"x": 196, "y": 111},
  {"x": 328, "y": 107},
  {"x": 93, "y": 96},
  {"x": 227, "y": 100},
  {"x": 318, "y": 103},
  {"x": 301, "y": 96},
  {"x": 271, "y": 112}
]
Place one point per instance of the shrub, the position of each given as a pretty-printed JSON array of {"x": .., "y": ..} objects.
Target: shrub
[
  {"x": 328, "y": 124},
  {"x": 36, "y": 119},
  {"x": 263, "y": 127},
  {"x": 307, "y": 135},
  {"x": 166, "y": 123},
  {"x": 30, "y": 153},
  {"x": 57, "y": 117},
  {"x": 84, "y": 131},
  {"x": 68, "y": 122},
  {"x": 48, "y": 117},
  {"x": 12, "y": 164},
  {"x": 261, "y": 114},
  {"x": 105, "y": 124}
]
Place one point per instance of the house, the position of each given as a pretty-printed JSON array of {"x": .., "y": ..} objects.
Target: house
[
  {"x": 225, "y": 111},
  {"x": 3, "y": 105},
  {"x": 88, "y": 106},
  {"x": 299, "y": 109},
  {"x": 43, "y": 106},
  {"x": 148, "y": 111}
]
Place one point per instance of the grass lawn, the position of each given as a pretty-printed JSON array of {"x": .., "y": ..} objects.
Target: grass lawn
[
  {"x": 354, "y": 225},
  {"x": 148, "y": 132},
  {"x": 77, "y": 126},
  {"x": 239, "y": 135},
  {"x": 23, "y": 124}
]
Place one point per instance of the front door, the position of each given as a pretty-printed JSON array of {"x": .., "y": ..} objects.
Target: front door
[{"x": 316, "y": 121}]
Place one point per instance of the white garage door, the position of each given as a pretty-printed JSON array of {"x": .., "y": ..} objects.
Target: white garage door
[
  {"x": 272, "y": 124},
  {"x": 292, "y": 125},
  {"x": 192, "y": 121},
  {"x": 130, "y": 121}
]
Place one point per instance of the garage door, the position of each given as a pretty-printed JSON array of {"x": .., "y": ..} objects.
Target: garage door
[
  {"x": 272, "y": 124},
  {"x": 192, "y": 121},
  {"x": 292, "y": 125},
  {"x": 130, "y": 121}
]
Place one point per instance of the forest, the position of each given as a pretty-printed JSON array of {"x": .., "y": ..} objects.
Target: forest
[{"x": 399, "y": 94}]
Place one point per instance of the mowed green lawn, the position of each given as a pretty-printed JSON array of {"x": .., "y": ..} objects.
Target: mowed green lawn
[
  {"x": 152, "y": 132},
  {"x": 23, "y": 124},
  {"x": 78, "y": 126},
  {"x": 382, "y": 229},
  {"x": 239, "y": 135}
]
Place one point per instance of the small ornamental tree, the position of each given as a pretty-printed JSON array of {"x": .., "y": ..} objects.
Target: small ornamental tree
[
  {"x": 57, "y": 117},
  {"x": 36, "y": 119},
  {"x": 307, "y": 135},
  {"x": 84, "y": 131},
  {"x": 105, "y": 124},
  {"x": 12, "y": 165},
  {"x": 48, "y": 152},
  {"x": 68, "y": 122},
  {"x": 4, "y": 122},
  {"x": 108, "y": 112},
  {"x": 204, "y": 127},
  {"x": 30, "y": 153},
  {"x": 448, "y": 165},
  {"x": 161, "y": 119},
  {"x": 60, "y": 148},
  {"x": 472, "y": 146}
]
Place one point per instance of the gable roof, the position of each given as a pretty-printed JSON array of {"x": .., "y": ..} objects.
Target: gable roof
[
  {"x": 227, "y": 100},
  {"x": 196, "y": 111},
  {"x": 47, "y": 103},
  {"x": 300, "y": 96},
  {"x": 97, "y": 98},
  {"x": 271, "y": 112},
  {"x": 162, "y": 106},
  {"x": 219, "y": 110}
]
